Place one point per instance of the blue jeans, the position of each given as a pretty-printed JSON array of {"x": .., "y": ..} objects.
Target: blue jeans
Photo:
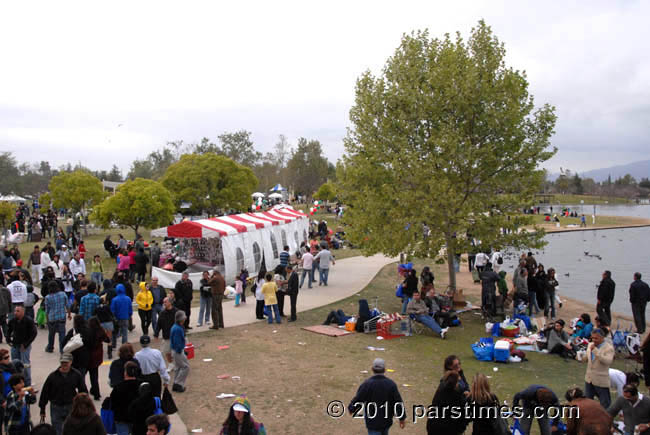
[
  {"x": 602, "y": 392},
  {"x": 122, "y": 428},
  {"x": 310, "y": 276},
  {"x": 97, "y": 278},
  {"x": 155, "y": 310},
  {"x": 429, "y": 322},
  {"x": 123, "y": 330},
  {"x": 58, "y": 414},
  {"x": 378, "y": 432},
  {"x": 23, "y": 356},
  {"x": 204, "y": 310},
  {"x": 405, "y": 302},
  {"x": 324, "y": 273},
  {"x": 269, "y": 310},
  {"x": 527, "y": 421},
  {"x": 53, "y": 328},
  {"x": 550, "y": 303}
]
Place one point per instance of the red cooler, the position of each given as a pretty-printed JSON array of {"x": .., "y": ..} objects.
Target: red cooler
[{"x": 189, "y": 350}]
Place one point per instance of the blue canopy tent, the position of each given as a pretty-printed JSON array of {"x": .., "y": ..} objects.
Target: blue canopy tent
[{"x": 278, "y": 188}]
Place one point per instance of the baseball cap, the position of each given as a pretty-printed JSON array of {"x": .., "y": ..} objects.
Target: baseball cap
[
  {"x": 379, "y": 365},
  {"x": 239, "y": 407},
  {"x": 66, "y": 357},
  {"x": 145, "y": 340}
]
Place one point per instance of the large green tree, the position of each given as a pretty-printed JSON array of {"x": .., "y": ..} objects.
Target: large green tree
[
  {"x": 137, "y": 203},
  {"x": 446, "y": 141},
  {"x": 77, "y": 191},
  {"x": 327, "y": 192},
  {"x": 238, "y": 146},
  {"x": 307, "y": 167},
  {"x": 210, "y": 182}
]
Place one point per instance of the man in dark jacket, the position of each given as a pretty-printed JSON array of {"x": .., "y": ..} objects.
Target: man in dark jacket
[
  {"x": 380, "y": 391},
  {"x": 606, "y": 290},
  {"x": 489, "y": 280},
  {"x": 141, "y": 261},
  {"x": 22, "y": 332},
  {"x": 59, "y": 389},
  {"x": 292, "y": 290},
  {"x": 183, "y": 289},
  {"x": 639, "y": 296},
  {"x": 217, "y": 287},
  {"x": 122, "y": 396},
  {"x": 165, "y": 323}
]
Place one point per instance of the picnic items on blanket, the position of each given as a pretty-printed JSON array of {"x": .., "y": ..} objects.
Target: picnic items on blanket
[{"x": 502, "y": 351}]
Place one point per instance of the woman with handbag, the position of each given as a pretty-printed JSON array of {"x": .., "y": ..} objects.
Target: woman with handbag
[{"x": 78, "y": 342}]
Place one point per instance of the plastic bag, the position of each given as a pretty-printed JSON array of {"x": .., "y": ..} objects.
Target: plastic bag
[
  {"x": 73, "y": 344},
  {"x": 484, "y": 349},
  {"x": 41, "y": 317},
  {"x": 399, "y": 292},
  {"x": 168, "y": 405},
  {"x": 488, "y": 327}
]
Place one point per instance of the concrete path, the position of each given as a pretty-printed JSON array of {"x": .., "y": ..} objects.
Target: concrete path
[{"x": 347, "y": 277}]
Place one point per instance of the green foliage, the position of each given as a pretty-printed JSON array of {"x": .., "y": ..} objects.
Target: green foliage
[
  {"x": 137, "y": 203},
  {"x": 157, "y": 162},
  {"x": 45, "y": 201},
  {"x": 76, "y": 190},
  {"x": 238, "y": 147},
  {"x": 326, "y": 192},
  {"x": 446, "y": 139},
  {"x": 210, "y": 182},
  {"x": 7, "y": 215},
  {"x": 308, "y": 167}
]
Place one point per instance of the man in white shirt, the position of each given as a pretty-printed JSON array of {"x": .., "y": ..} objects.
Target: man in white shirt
[
  {"x": 494, "y": 259},
  {"x": 64, "y": 254},
  {"x": 18, "y": 292},
  {"x": 324, "y": 257},
  {"x": 481, "y": 261},
  {"x": 152, "y": 365},
  {"x": 45, "y": 262},
  {"x": 77, "y": 265},
  {"x": 307, "y": 262}
]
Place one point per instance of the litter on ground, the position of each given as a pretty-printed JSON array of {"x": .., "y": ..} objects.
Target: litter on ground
[{"x": 225, "y": 396}]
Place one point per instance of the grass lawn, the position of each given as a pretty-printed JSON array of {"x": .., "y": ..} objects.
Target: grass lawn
[{"x": 290, "y": 375}]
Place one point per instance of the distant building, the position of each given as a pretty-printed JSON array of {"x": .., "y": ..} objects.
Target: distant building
[{"x": 111, "y": 186}]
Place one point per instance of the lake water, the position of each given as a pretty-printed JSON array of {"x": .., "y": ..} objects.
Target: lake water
[{"x": 623, "y": 252}]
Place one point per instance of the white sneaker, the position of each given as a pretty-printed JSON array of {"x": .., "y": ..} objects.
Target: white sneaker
[
  {"x": 171, "y": 368},
  {"x": 444, "y": 332}
]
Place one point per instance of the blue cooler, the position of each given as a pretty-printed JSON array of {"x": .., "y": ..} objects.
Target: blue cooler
[{"x": 502, "y": 351}]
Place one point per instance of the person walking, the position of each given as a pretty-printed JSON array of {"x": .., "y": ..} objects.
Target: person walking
[
  {"x": 17, "y": 415},
  {"x": 307, "y": 262},
  {"x": 639, "y": 296},
  {"x": 141, "y": 261},
  {"x": 448, "y": 396},
  {"x": 159, "y": 295},
  {"x": 122, "y": 396},
  {"x": 99, "y": 337},
  {"x": 324, "y": 258},
  {"x": 292, "y": 290},
  {"x": 21, "y": 334},
  {"x": 144, "y": 299},
  {"x": 56, "y": 309},
  {"x": 89, "y": 303},
  {"x": 177, "y": 344},
  {"x": 218, "y": 288},
  {"x": 600, "y": 355},
  {"x": 83, "y": 418},
  {"x": 59, "y": 389},
  {"x": 97, "y": 271},
  {"x": 122, "y": 309},
  {"x": 205, "y": 307},
  {"x": 166, "y": 320},
  {"x": 606, "y": 290},
  {"x": 379, "y": 390},
  {"x": 34, "y": 262},
  {"x": 549, "y": 293},
  {"x": 152, "y": 365},
  {"x": 183, "y": 290},
  {"x": 5, "y": 309}
]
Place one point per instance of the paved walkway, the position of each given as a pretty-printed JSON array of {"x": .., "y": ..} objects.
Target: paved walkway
[{"x": 346, "y": 278}]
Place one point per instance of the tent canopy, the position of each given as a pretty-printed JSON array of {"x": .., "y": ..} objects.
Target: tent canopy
[
  {"x": 258, "y": 195},
  {"x": 12, "y": 198},
  {"x": 278, "y": 188},
  {"x": 275, "y": 195}
]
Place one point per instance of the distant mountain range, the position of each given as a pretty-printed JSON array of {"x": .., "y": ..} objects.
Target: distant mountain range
[{"x": 638, "y": 170}]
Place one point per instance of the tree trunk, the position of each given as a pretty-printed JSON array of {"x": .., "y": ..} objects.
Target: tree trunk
[
  {"x": 135, "y": 228},
  {"x": 450, "y": 263}
]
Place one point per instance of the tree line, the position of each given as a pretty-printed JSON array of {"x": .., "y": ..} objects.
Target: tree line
[
  {"x": 569, "y": 182},
  {"x": 302, "y": 168}
]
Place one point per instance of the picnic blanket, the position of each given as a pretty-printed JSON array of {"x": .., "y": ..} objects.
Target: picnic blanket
[{"x": 330, "y": 331}]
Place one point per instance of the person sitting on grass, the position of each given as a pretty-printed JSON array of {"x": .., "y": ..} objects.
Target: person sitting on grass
[
  {"x": 584, "y": 327},
  {"x": 588, "y": 415},
  {"x": 420, "y": 312},
  {"x": 559, "y": 341},
  {"x": 337, "y": 316},
  {"x": 635, "y": 407}
]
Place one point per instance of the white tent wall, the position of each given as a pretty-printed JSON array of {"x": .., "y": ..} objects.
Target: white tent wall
[{"x": 230, "y": 244}]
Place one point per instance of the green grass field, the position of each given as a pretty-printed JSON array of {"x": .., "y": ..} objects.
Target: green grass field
[{"x": 589, "y": 199}]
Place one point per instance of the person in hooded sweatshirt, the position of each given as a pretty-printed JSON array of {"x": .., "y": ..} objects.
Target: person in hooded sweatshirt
[
  {"x": 83, "y": 418},
  {"x": 122, "y": 309},
  {"x": 141, "y": 408}
]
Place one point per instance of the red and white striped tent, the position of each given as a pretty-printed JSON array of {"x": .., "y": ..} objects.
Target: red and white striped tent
[{"x": 247, "y": 238}]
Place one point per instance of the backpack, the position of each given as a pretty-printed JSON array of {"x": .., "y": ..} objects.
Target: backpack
[
  {"x": 500, "y": 260},
  {"x": 6, "y": 375}
]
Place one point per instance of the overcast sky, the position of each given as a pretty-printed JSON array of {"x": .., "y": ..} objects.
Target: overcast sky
[{"x": 110, "y": 84}]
